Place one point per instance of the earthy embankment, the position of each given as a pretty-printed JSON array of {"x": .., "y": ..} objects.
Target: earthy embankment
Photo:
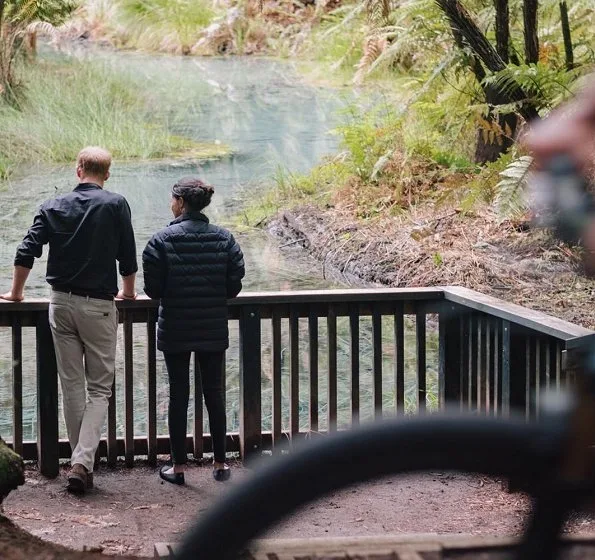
[{"x": 424, "y": 247}]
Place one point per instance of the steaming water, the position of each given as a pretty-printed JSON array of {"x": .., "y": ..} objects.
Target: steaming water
[{"x": 257, "y": 107}]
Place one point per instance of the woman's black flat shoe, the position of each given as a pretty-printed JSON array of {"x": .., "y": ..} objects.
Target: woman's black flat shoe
[
  {"x": 221, "y": 475},
  {"x": 174, "y": 478}
]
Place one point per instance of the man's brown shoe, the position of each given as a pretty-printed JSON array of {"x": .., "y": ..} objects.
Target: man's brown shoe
[{"x": 78, "y": 479}]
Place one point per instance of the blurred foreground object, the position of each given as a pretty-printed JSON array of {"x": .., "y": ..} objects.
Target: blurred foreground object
[{"x": 11, "y": 470}]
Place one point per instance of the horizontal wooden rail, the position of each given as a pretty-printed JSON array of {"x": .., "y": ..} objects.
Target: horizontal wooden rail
[
  {"x": 141, "y": 448},
  {"x": 309, "y": 362},
  {"x": 535, "y": 320}
]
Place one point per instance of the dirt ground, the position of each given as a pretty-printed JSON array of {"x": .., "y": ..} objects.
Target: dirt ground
[
  {"x": 130, "y": 510},
  {"x": 440, "y": 246}
]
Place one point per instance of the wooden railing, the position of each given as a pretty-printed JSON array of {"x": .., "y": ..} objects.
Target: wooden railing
[{"x": 477, "y": 352}]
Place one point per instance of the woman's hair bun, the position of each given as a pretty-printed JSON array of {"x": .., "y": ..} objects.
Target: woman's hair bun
[{"x": 195, "y": 193}]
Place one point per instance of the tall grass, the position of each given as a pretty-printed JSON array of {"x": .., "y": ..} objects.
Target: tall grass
[
  {"x": 70, "y": 105},
  {"x": 171, "y": 25}
]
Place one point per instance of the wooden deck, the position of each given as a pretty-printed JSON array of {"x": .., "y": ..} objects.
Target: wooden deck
[{"x": 396, "y": 547}]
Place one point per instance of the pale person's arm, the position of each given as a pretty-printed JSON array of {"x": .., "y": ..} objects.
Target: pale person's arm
[{"x": 19, "y": 278}]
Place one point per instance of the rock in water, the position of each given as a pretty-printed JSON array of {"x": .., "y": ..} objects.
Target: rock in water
[{"x": 12, "y": 470}]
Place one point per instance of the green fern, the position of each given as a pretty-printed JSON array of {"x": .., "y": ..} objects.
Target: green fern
[
  {"x": 17, "y": 19},
  {"x": 24, "y": 12},
  {"x": 545, "y": 85},
  {"x": 410, "y": 28},
  {"x": 510, "y": 201},
  {"x": 378, "y": 11}
]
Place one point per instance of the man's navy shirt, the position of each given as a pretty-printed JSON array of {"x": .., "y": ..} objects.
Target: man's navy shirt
[{"x": 87, "y": 229}]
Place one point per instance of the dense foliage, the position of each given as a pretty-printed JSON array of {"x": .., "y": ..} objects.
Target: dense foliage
[
  {"x": 462, "y": 77},
  {"x": 457, "y": 79},
  {"x": 19, "y": 22}
]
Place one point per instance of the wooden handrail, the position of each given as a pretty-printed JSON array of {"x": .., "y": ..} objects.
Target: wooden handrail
[
  {"x": 493, "y": 356},
  {"x": 470, "y": 299},
  {"x": 523, "y": 316}
]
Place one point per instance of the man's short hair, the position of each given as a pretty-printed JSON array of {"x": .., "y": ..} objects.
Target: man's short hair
[{"x": 94, "y": 160}]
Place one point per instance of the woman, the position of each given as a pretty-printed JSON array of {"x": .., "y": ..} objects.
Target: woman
[{"x": 193, "y": 267}]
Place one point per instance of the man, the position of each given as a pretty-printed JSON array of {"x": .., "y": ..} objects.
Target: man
[{"x": 87, "y": 231}]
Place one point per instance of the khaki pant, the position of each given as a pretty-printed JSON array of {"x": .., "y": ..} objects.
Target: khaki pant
[{"x": 84, "y": 332}]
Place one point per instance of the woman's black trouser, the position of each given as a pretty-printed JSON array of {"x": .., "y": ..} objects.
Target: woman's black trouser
[{"x": 211, "y": 374}]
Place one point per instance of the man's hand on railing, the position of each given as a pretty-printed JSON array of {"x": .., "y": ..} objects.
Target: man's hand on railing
[
  {"x": 10, "y": 296},
  {"x": 128, "y": 290},
  {"x": 19, "y": 278},
  {"x": 122, "y": 295}
]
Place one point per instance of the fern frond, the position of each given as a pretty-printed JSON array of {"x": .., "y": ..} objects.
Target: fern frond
[
  {"x": 378, "y": 11},
  {"x": 353, "y": 14},
  {"x": 374, "y": 46},
  {"x": 23, "y": 12},
  {"x": 42, "y": 28},
  {"x": 544, "y": 85},
  {"x": 509, "y": 199}
]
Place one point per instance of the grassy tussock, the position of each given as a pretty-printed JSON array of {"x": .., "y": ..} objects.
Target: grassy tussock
[
  {"x": 164, "y": 24},
  {"x": 70, "y": 105},
  {"x": 172, "y": 26},
  {"x": 381, "y": 168}
]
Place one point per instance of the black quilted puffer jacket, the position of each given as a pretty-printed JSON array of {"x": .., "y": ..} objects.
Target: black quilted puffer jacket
[{"x": 193, "y": 267}]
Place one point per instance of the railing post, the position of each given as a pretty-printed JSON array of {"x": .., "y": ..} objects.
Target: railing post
[
  {"x": 421, "y": 341},
  {"x": 128, "y": 392},
  {"x": 505, "y": 375},
  {"x": 17, "y": 386},
  {"x": 152, "y": 387},
  {"x": 47, "y": 399},
  {"x": 449, "y": 354},
  {"x": 518, "y": 368},
  {"x": 250, "y": 382}
]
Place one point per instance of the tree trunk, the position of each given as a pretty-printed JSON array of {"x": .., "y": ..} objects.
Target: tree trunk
[
  {"x": 491, "y": 148},
  {"x": 530, "y": 23},
  {"x": 31, "y": 45},
  {"x": 502, "y": 29},
  {"x": 12, "y": 472},
  {"x": 568, "y": 50},
  {"x": 461, "y": 20}
]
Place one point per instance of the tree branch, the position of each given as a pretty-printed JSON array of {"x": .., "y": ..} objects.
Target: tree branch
[{"x": 461, "y": 20}]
